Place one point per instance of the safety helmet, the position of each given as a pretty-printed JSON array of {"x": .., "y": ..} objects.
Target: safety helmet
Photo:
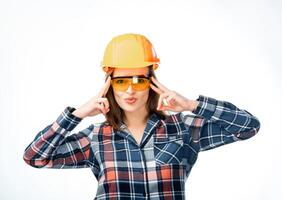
[{"x": 129, "y": 51}]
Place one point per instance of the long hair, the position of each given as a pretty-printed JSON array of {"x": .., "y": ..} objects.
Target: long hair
[{"x": 116, "y": 115}]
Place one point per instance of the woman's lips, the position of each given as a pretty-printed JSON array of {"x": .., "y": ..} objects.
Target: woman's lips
[{"x": 130, "y": 100}]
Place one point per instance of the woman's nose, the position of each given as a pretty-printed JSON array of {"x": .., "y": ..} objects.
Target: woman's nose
[{"x": 130, "y": 89}]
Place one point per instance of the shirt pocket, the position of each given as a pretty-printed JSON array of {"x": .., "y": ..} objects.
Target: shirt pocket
[{"x": 168, "y": 149}]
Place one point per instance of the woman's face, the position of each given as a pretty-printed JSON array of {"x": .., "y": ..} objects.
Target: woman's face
[{"x": 141, "y": 97}]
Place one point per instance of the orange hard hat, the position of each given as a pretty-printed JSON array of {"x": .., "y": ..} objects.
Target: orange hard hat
[{"x": 129, "y": 51}]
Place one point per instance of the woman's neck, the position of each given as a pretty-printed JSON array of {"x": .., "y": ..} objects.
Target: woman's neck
[{"x": 138, "y": 118}]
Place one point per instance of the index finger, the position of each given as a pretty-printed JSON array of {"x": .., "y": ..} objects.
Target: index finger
[
  {"x": 157, "y": 90},
  {"x": 105, "y": 87},
  {"x": 161, "y": 86}
]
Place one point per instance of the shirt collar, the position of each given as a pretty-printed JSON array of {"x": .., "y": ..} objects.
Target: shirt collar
[
  {"x": 153, "y": 119},
  {"x": 152, "y": 123}
]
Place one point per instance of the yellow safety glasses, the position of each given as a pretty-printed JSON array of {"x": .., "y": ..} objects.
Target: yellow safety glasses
[{"x": 138, "y": 83}]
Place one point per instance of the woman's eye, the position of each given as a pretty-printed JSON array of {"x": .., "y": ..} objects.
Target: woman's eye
[
  {"x": 140, "y": 80},
  {"x": 119, "y": 81}
]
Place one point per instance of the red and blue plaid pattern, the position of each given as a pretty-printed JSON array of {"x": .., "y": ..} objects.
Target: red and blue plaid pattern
[{"x": 155, "y": 169}]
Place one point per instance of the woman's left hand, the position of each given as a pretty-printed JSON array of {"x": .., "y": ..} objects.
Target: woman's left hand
[{"x": 175, "y": 102}]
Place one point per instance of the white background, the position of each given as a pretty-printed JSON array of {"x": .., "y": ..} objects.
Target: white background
[{"x": 50, "y": 53}]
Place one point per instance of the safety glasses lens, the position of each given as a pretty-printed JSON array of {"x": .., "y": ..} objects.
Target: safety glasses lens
[{"x": 137, "y": 83}]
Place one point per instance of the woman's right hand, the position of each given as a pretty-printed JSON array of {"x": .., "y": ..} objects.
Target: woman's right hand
[{"x": 97, "y": 104}]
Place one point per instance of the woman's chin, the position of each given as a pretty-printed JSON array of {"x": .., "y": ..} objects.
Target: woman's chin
[{"x": 131, "y": 109}]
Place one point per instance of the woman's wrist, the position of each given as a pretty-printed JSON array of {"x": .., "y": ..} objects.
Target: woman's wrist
[
  {"x": 192, "y": 105},
  {"x": 78, "y": 113}
]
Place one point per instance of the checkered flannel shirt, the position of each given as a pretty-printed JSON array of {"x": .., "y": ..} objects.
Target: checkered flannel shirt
[{"x": 155, "y": 169}]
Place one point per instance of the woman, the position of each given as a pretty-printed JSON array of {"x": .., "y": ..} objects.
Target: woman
[{"x": 139, "y": 152}]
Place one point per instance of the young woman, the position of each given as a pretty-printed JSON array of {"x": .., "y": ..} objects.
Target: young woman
[{"x": 139, "y": 152}]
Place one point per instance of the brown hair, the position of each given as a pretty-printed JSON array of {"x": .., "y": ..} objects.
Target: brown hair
[{"x": 116, "y": 115}]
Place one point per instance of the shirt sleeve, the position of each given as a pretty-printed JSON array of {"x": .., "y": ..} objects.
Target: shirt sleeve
[
  {"x": 56, "y": 147},
  {"x": 219, "y": 122}
]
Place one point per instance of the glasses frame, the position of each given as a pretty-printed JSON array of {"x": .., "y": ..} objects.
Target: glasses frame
[{"x": 135, "y": 76}]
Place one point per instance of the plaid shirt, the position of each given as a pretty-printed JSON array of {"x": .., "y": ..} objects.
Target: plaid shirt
[{"x": 155, "y": 169}]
